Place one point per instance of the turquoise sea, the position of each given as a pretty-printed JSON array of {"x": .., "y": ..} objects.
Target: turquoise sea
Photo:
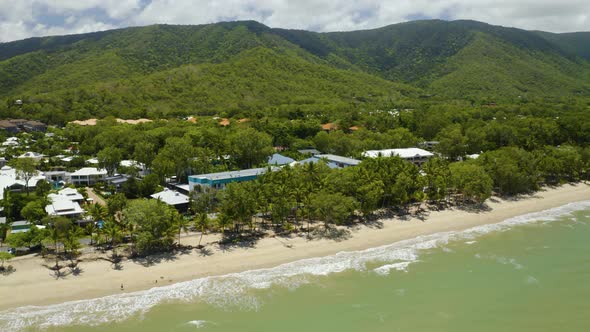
[{"x": 529, "y": 273}]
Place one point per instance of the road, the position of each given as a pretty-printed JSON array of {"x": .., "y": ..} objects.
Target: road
[{"x": 97, "y": 199}]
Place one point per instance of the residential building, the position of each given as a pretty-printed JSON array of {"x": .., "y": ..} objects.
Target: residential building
[
  {"x": 32, "y": 125},
  {"x": 8, "y": 127},
  {"x": 338, "y": 160},
  {"x": 32, "y": 155},
  {"x": 87, "y": 176},
  {"x": 61, "y": 205},
  {"x": 309, "y": 151},
  {"x": 10, "y": 179},
  {"x": 173, "y": 198},
  {"x": 414, "y": 155},
  {"x": 333, "y": 161},
  {"x": 71, "y": 194},
  {"x": 279, "y": 160},
  {"x": 219, "y": 180}
]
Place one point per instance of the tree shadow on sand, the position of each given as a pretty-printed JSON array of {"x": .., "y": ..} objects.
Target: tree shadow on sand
[
  {"x": 7, "y": 270},
  {"x": 330, "y": 233}
]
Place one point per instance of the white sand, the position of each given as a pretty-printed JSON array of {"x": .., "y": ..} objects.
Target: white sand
[{"x": 34, "y": 284}]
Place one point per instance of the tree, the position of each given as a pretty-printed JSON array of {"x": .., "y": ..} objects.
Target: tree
[
  {"x": 201, "y": 223},
  {"x": 34, "y": 211},
  {"x": 333, "y": 208},
  {"x": 112, "y": 231},
  {"x": 116, "y": 204},
  {"x": 29, "y": 239},
  {"x": 149, "y": 185},
  {"x": 183, "y": 224},
  {"x": 452, "y": 143},
  {"x": 237, "y": 203},
  {"x": 57, "y": 230},
  {"x": 145, "y": 153},
  {"x": 155, "y": 224},
  {"x": 250, "y": 147},
  {"x": 25, "y": 168},
  {"x": 109, "y": 158},
  {"x": 438, "y": 178},
  {"x": 471, "y": 180},
  {"x": 42, "y": 188}
]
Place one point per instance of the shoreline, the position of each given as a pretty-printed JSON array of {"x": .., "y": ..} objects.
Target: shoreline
[{"x": 34, "y": 284}]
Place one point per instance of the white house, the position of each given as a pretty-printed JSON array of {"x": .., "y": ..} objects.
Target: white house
[
  {"x": 414, "y": 155},
  {"x": 87, "y": 176},
  {"x": 173, "y": 198},
  {"x": 61, "y": 205},
  {"x": 10, "y": 179}
]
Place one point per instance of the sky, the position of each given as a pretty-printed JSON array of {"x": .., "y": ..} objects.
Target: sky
[{"x": 21, "y": 19}]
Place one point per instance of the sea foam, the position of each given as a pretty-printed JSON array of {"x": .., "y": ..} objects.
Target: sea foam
[{"x": 236, "y": 289}]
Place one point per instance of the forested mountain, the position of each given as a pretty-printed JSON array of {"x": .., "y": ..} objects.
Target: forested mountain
[{"x": 163, "y": 70}]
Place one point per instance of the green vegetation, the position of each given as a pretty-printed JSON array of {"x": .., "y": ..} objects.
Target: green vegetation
[{"x": 245, "y": 67}]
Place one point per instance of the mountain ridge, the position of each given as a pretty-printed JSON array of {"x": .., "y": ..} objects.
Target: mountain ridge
[{"x": 450, "y": 59}]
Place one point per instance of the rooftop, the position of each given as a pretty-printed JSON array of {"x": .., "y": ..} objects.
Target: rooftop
[
  {"x": 403, "y": 153},
  {"x": 231, "y": 174},
  {"x": 171, "y": 197},
  {"x": 339, "y": 159},
  {"x": 279, "y": 159},
  {"x": 86, "y": 171}
]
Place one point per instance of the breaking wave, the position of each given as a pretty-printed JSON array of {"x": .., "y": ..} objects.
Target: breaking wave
[{"x": 236, "y": 289}]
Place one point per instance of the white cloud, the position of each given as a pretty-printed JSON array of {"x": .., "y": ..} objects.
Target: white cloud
[{"x": 24, "y": 18}]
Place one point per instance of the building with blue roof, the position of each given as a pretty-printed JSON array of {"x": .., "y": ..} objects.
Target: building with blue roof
[
  {"x": 221, "y": 179},
  {"x": 279, "y": 160}
]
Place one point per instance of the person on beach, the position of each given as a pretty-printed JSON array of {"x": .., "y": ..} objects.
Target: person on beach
[{"x": 121, "y": 286}]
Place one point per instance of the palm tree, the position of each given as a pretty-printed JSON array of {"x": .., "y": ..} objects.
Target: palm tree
[
  {"x": 113, "y": 231},
  {"x": 201, "y": 223},
  {"x": 183, "y": 224},
  {"x": 97, "y": 212}
]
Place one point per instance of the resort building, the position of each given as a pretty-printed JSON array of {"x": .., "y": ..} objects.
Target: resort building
[
  {"x": 414, "y": 155},
  {"x": 333, "y": 161},
  {"x": 220, "y": 180},
  {"x": 338, "y": 160},
  {"x": 279, "y": 160},
  {"x": 173, "y": 198},
  {"x": 87, "y": 176}
]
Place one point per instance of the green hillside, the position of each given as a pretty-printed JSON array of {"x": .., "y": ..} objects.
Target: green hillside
[
  {"x": 246, "y": 66},
  {"x": 251, "y": 81}
]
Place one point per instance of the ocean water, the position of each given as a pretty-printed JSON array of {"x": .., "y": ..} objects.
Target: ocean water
[{"x": 529, "y": 273}]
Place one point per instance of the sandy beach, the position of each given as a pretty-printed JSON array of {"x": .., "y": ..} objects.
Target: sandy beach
[{"x": 34, "y": 284}]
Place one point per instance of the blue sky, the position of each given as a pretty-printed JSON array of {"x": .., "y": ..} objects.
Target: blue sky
[{"x": 20, "y": 19}]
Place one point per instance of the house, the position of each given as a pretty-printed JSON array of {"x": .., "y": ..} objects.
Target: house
[
  {"x": 333, "y": 161},
  {"x": 219, "y": 180},
  {"x": 32, "y": 125},
  {"x": 414, "y": 155},
  {"x": 328, "y": 127},
  {"x": 71, "y": 194},
  {"x": 315, "y": 159},
  {"x": 173, "y": 198},
  {"x": 11, "y": 141},
  {"x": 309, "y": 151},
  {"x": 33, "y": 155},
  {"x": 117, "y": 181},
  {"x": 224, "y": 122},
  {"x": 10, "y": 179},
  {"x": 56, "y": 176},
  {"x": 429, "y": 145},
  {"x": 61, "y": 205},
  {"x": 338, "y": 160},
  {"x": 8, "y": 126},
  {"x": 279, "y": 160},
  {"x": 87, "y": 176}
]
